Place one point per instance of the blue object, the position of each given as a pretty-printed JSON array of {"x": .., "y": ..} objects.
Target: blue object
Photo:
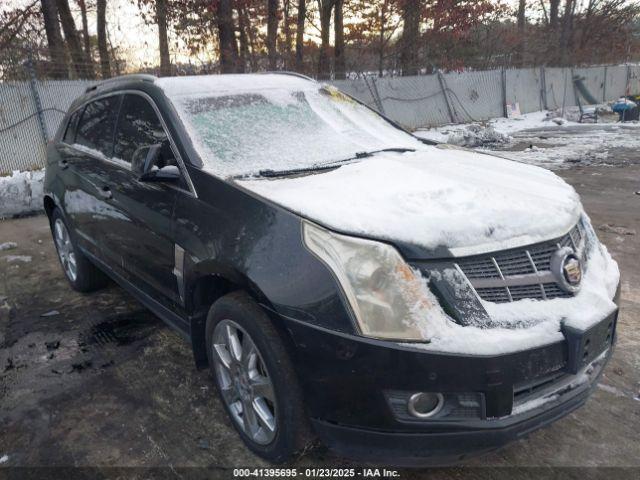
[{"x": 623, "y": 106}]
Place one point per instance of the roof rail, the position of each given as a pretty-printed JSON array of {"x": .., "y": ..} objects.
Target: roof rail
[
  {"x": 293, "y": 74},
  {"x": 144, "y": 77}
]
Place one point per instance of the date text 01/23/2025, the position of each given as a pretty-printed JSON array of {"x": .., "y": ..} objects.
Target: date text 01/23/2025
[{"x": 315, "y": 473}]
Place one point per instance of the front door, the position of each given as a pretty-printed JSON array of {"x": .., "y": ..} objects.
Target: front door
[{"x": 146, "y": 242}]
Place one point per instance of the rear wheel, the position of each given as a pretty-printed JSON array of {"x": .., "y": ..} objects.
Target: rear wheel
[
  {"x": 83, "y": 275},
  {"x": 255, "y": 378}
]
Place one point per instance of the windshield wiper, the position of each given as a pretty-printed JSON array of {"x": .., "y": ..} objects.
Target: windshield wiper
[
  {"x": 329, "y": 165},
  {"x": 295, "y": 171}
]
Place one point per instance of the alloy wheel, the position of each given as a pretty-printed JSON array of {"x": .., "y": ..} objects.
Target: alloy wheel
[
  {"x": 244, "y": 381},
  {"x": 65, "y": 250}
]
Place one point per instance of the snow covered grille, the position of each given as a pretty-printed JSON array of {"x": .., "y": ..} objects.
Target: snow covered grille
[{"x": 522, "y": 273}]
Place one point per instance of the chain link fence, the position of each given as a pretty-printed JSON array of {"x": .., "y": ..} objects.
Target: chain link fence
[{"x": 31, "y": 108}]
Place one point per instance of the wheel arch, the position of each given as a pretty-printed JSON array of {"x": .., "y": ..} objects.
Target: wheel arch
[
  {"x": 207, "y": 285},
  {"x": 49, "y": 205}
]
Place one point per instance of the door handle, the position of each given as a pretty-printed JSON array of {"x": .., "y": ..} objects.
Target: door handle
[
  {"x": 105, "y": 192},
  {"x": 63, "y": 164}
]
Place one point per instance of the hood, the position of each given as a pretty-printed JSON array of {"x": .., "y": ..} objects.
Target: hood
[{"x": 433, "y": 198}]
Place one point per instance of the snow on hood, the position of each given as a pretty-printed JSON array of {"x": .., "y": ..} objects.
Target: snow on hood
[{"x": 433, "y": 198}]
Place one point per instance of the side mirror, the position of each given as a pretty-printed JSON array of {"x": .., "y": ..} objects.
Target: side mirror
[
  {"x": 170, "y": 173},
  {"x": 144, "y": 158},
  {"x": 145, "y": 164}
]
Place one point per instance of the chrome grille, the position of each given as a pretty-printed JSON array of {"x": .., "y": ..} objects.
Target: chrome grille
[{"x": 522, "y": 272}]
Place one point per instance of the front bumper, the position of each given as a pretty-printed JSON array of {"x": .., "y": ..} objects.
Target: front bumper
[
  {"x": 345, "y": 378},
  {"x": 434, "y": 448}
]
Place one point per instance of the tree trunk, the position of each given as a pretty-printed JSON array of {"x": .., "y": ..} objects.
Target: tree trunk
[
  {"x": 381, "y": 41},
  {"x": 71, "y": 36},
  {"x": 272, "y": 32},
  {"x": 409, "y": 41},
  {"x": 565, "y": 32},
  {"x": 302, "y": 13},
  {"x": 226, "y": 37},
  {"x": 163, "y": 42},
  {"x": 554, "y": 6},
  {"x": 249, "y": 34},
  {"x": 324, "y": 70},
  {"x": 522, "y": 19},
  {"x": 286, "y": 26},
  {"x": 338, "y": 53},
  {"x": 244, "y": 41},
  {"x": 103, "y": 50},
  {"x": 54, "y": 39},
  {"x": 85, "y": 37}
]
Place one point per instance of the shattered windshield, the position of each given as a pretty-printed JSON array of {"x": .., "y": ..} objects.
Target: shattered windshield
[{"x": 280, "y": 129}]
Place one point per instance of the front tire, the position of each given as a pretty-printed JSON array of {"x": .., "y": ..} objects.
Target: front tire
[
  {"x": 83, "y": 276},
  {"x": 255, "y": 378}
]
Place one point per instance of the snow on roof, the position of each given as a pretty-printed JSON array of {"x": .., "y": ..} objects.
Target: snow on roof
[{"x": 215, "y": 84}]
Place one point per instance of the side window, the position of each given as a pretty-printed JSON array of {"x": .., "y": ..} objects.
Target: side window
[
  {"x": 139, "y": 126},
  {"x": 70, "y": 132},
  {"x": 95, "y": 129}
]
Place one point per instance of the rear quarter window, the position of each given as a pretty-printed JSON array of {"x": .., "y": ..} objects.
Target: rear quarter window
[{"x": 96, "y": 127}]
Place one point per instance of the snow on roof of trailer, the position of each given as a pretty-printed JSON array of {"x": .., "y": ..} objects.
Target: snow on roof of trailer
[{"x": 214, "y": 84}]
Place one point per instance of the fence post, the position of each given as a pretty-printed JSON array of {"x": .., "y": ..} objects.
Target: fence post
[
  {"x": 604, "y": 86},
  {"x": 36, "y": 99},
  {"x": 543, "y": 88},
  {"x": 503, "y": 91},
  {"x": 443, "y": 87},
  {"x": 628, "y": 88},
  {"x": 376, "y": 94}
]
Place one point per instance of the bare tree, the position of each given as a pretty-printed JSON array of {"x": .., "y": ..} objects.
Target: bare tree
[
  {"x": 324, "y": 68},
  {"x": 566, "y": 29},
  {"x": 71, "y": 37},
  {"x": 226, "y": 38},
  {"x": 272, "y": 32},
  {"x": 243, "y": 37},
  {"x": 54, "y": 38},
  {"x": 554, "y": 7},
  {"x": 163, "y": 42},
  {"x": 522, "y": 21},
  {"x": 103, "y": 50},
  {"x": 338, "y": 52},
  {"x": 286, "y": 26},
  {"x": 409, "y": 42},
  {"x": 302, "y": 13},
  {"x": 85, "y": 36}
]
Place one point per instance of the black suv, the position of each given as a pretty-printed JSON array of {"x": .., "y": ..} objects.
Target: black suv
[{"x": 404, "y": 302}]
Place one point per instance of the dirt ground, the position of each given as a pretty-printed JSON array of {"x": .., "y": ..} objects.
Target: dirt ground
[{"x": 97, "y": 380}]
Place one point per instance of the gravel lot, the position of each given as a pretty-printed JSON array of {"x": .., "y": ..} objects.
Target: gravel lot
[{"x": 97, "y": 380}]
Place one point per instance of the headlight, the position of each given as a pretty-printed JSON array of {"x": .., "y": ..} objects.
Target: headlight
[{"x": 387, "y": 297}]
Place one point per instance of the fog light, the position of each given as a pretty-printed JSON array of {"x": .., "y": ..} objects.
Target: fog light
[{"x": 425, "y": 405}]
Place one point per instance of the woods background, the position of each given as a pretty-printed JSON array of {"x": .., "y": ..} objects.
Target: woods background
[{"x": 326, "y": 39}]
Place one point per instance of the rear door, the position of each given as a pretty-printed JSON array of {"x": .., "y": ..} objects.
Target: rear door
[{"x": 88, "y": 201}]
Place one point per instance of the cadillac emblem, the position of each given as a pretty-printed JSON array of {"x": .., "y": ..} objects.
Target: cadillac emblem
[{"x": 567, "y": 269}]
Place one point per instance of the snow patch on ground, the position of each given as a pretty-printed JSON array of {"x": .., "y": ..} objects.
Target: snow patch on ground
[
  {"x": 7, "y": 246},
  {"x": 21, "y": 193},
  {"x": 469, "y": 135},
  {"x": 4, "y": 459},
  {"x": 612, "y": 390},
  {"x": 542, "y": 138},
  {"x": 496, "y": 131},
  {"x": 17, "y": 258}
]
